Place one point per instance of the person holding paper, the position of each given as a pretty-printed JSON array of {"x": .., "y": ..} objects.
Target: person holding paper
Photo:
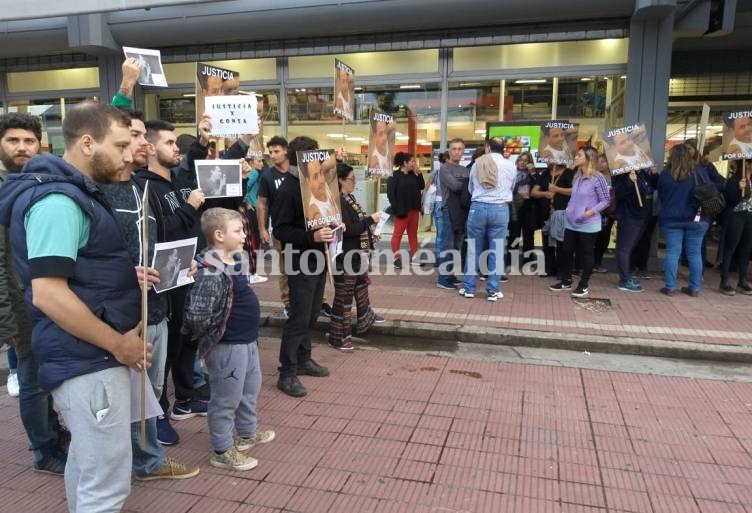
[
  {"x": 351, "y": 279},
  {"x": 86, "y": 305},
  {"x": 738, "y": 237}
]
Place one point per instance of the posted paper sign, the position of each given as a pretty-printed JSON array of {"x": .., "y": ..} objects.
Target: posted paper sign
[
  {"x": 627, "y": 149},
  {"x": 319, "y": 188},
  {"x": 150, "y": 64},
  {"x": 558, "y": 142},
  {"x": 335, "y": 247},
  {"x": 344, "y": 90},
  {"x": 173, "y": 261},
  {"x": 220, "y": 178},
  {"x": 381, "y": 144},
  {"x": 232, "y": 115},
  {"x": 737, "y": 135},
  {"x": 214, "y": 81}
]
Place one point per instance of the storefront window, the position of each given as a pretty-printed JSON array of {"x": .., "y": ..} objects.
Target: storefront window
[
  {"x": 51, "y": 113},
  {"x": 530, "y": 99}
]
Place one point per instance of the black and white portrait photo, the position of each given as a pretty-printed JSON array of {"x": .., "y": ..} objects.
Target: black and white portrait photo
[
  {"x": 150, "y": 64},
  {"x": 173, "y": 261},
  {"x": 219, "y": 178}
]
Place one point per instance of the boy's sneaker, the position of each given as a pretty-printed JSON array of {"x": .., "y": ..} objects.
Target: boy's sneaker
[
  {"x": 231, "y": 459},
  {"x": 261, "y": 437},
  {"x": 292, "y": 386},
  {"x": 12, "y": 384},
  {"x": 630, "y": 286},
  {"x": 188, "y": 409},
  {"x": 171, "y": 470},
  {"x": 311, "y": 368},
  {"x": 580, "y": 291},
  {"x": 52, "y": 461},
  {"x": 166, "y": 434},
  {"x": 562, "y": 285},
  {"x": 465, "y": 293},
  {"x": 494, "y": 296}
]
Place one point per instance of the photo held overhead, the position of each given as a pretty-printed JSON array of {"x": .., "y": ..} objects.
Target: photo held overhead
[
  {"x": 319, "y": 188},
  {"x": 381, "y": 144},
  {"x": 558, "y": 142},
  {"x": 737, "y": 135},
  {"x": 627, "y": 149},
  {"x": 150, "y": 66},
  {"x": 344, "y": 90}
]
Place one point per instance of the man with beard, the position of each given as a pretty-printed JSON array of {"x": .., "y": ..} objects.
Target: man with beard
[
  {"x": 180, "y": 220},
  {"x": 126, "y": 197},
  {"x": 19, "y": 141},
  {"x": 83, "y": 296}
]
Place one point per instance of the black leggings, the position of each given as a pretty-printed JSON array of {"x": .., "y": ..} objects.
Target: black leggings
[
  {"x": 604, "y": 238},
  {"x": 737, "y": 244},
  {"x": 584, "y": 244}
]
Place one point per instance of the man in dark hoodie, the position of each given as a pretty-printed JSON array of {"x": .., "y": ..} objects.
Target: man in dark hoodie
[
  {"x": 19, "y": 141},
  {"x": 83, "y": 296},
  {"x": 306, "y": 279},
  {"x": 180, "y": 220},
  {"x": 126, "y": 199}
]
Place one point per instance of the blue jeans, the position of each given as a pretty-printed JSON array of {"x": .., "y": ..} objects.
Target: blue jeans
[
  {"x": 450, "y": 241},
  {"x": 486, "y": 226},
  {"x": 35, "y": 405},
  {"x": 438, "y": 221},
  {"x": 689, "y": 235}
]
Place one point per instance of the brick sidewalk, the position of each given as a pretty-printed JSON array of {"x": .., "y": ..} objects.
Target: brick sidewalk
[
  {"x": 529, "y": 305},
  {"x": 400, "y": 433}
]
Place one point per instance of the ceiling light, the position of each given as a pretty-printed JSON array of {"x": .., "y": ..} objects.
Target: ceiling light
[
  {"x": 355, "y": 139},
  {"x": 189, "y": 95},
  {"x": 358, "y": 88},
  {"x": 623, "y": 77},
  {"x": 335, "y": 136},
  {"x": 410, "y": 86},
  {"x": 402, "y": 137},
  {"x": 398, "y": 134},
  {"x": 531, "y": 81},
  {"x": 586, "y": 79},
  {"x": 480, "y": 132}
]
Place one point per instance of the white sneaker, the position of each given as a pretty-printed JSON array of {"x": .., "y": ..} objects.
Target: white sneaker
[
  {"x": 466, "y": 294},
  {"x": 255, "y": 278},
  {"x": 12, "y": 385},
  {"x": 494, "y": 296}
]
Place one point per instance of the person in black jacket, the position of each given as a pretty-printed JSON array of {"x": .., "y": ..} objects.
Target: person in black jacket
[
  {"x": 404, "y": 190},
  {"x": 306, "y": 278},
  {"x": 351, "y": 278},
  {"x": 738, "y": 237}
]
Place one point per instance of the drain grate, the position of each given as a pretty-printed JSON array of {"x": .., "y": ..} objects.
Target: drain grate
[{"x": 594, "y": 304}]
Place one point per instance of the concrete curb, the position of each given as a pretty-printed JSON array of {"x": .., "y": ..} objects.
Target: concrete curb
[{"x": 548, "y": 340}]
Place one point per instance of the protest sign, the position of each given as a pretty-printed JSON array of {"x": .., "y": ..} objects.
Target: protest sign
[
  {"x": 381, "y": 144},
  {"x": 319, "y": 188},
  {"x": 558, "y": 142},
  {"x": 627, "y": 149}
]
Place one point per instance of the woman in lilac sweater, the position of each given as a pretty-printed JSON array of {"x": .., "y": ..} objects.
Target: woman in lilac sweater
[{"x": 590, "y": 197}]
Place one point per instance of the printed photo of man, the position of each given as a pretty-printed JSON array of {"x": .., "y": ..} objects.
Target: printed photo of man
[{"x": 739, "y": 134}]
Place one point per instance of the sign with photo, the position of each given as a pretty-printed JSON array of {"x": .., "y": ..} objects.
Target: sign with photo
[
  {"x": 335, "y": 247},
  {"x": 214, "y": 81},
  {"x": 381, "y": 144},
  {"x": 232, "y": 115},
  {"x": 173, "y": 261},
  {"x": 737, "y": 135},
  {"x": 256, "y": 144},
  {"x": 319, "y": 188},
  {"x": 150, "y": 65},
  {"x": 344, "y": 90},
  {"x": 220, "y": 178},
  {"x": 558, "y": 142},
  {"x": 627, "y": 149}
]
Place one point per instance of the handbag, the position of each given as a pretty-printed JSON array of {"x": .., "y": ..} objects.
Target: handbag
[{"x": 707, "y": 198}]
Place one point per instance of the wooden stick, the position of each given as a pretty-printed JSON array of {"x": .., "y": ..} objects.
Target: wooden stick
[
  {"x": 639, "y": 196},
  {"x": 378, "y": 192},
  {"x": 329, "y": 265},
  {"x": 144, "y": 303}
]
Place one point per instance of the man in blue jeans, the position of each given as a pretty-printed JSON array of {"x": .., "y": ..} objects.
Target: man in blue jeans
[
  {"x": 452, "y": 184},
  {"x": 492, "y": 180},
  {"x": 19, "y": 141}
]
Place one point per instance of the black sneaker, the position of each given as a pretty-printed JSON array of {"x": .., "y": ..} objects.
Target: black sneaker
[
  {"x": 398, "y": 264},
  {"x": 311, "y": 368},
  {"x": 326, "y": 310},
  {"x": 580, "y": 291},
  {"x": 727, "y": 289},
  {"x": 52, "y": 461},
  {"x": 189, "y": 409},
  {"x": 745, "y": 289},
  {"x": 562, "y": 285},
  {"x": 690, "y": 292},
  {"x": 292, "y": 386},
  {"x": 166, "y": 434}
]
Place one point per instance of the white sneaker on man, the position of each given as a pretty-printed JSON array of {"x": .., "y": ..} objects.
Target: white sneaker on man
[{"x": 12, "y": 384}]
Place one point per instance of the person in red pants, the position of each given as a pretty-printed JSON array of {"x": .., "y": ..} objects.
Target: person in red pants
[{"x": 404, "y": 190}]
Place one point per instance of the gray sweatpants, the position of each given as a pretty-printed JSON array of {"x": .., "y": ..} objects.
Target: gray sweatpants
[
  {"x": 97, "y": 409},
  {"x": 235, "y": 382}
]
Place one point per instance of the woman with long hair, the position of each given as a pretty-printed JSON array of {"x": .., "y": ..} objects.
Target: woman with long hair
[
  {"x": 738, "y": 238},
  {"x": 682, "y": 223},
  {"x": 351, "y": 279},
  {"x": 404, "y": 190},
  {"x": 589, "y": 198}
]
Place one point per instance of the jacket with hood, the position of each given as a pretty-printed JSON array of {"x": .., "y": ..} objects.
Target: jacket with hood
[
  {"x": 103, "y": 277},
  {"x": 179, "y": 220}
]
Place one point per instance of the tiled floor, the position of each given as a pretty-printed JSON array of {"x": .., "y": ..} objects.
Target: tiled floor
[
  {"x": 389, "y": 432},
  {"x": 529, "y": 305}
]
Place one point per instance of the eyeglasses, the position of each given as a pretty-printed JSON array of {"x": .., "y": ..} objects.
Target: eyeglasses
[{"x": 350, "y": 179}]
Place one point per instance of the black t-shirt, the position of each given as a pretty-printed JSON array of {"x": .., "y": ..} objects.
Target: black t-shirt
[
  {"x": 242, "y": 326},
  {"x": 271, "y": 179},
  {"x": 564, "y": 180}
]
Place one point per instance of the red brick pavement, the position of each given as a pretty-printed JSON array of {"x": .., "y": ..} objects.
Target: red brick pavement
[
  {"x": 529, "y": 305},
  {"x": 391, "y": 432}
]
